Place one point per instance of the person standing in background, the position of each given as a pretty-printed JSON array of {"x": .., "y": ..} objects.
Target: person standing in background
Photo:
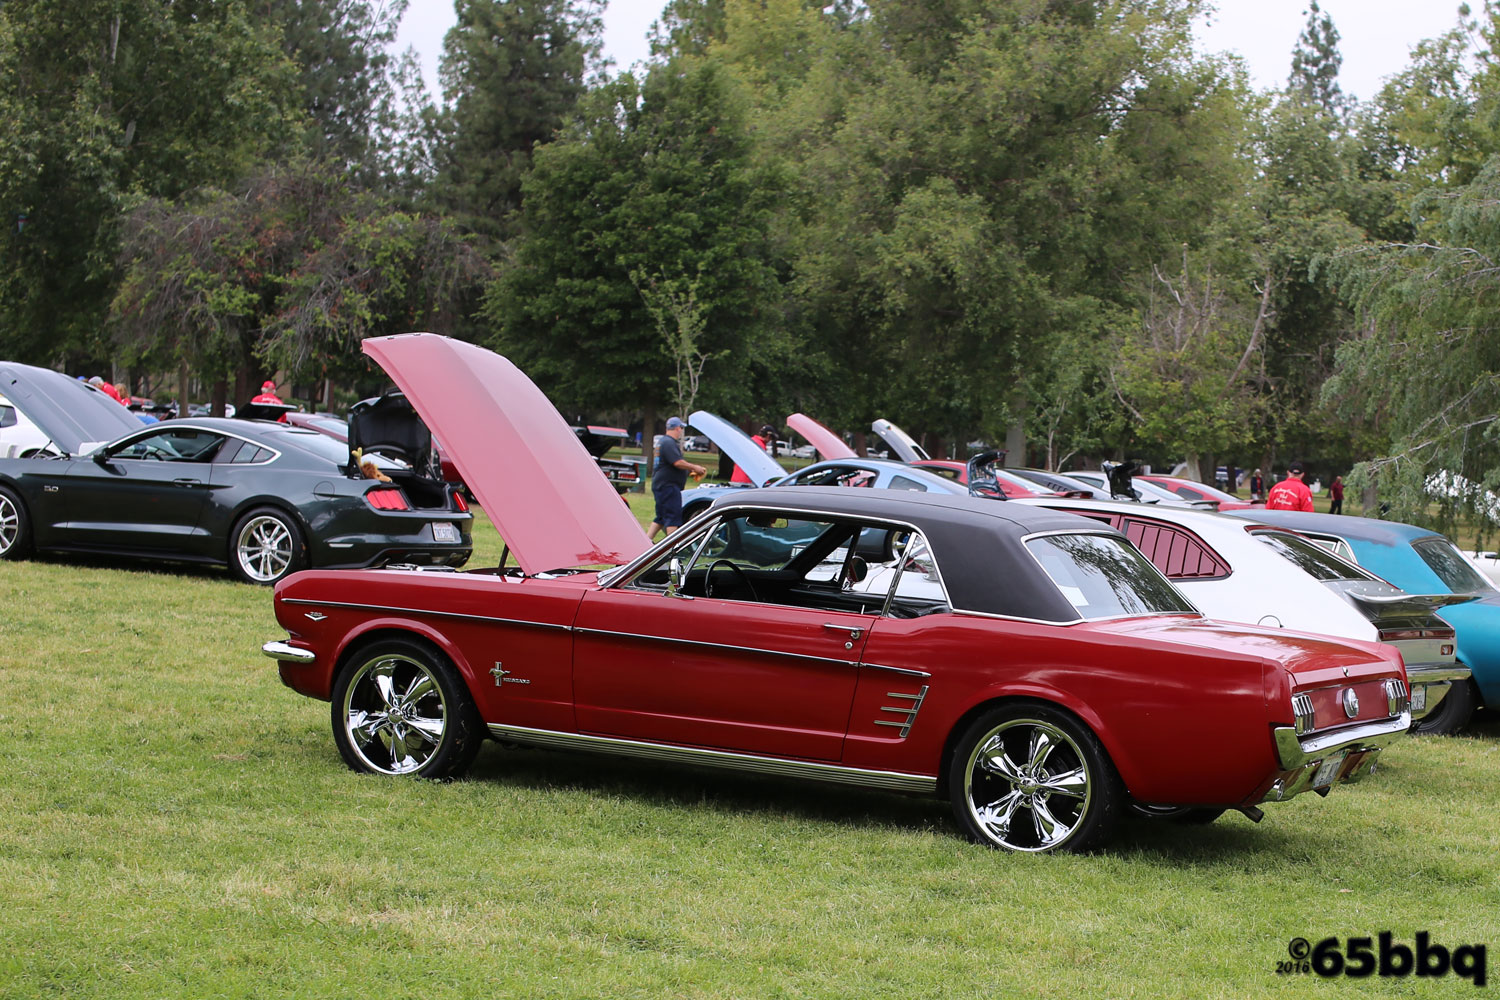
[
  {"x": 668, "y": 479},
  {"x": 1257, "y": 487},
  {"x": 1336, "y": 496},
  {"x": 1291, "y": 493},
  {"x": 761, "y": 440}
]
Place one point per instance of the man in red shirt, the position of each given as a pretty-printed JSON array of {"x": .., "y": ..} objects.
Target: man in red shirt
[
  {"x": 1290, "y": 493},
  {"x": 760, "y": 440},
  {"x": 267, "y": 393}
]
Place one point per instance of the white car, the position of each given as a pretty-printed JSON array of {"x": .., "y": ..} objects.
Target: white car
[
  {"x": 1239, "y": 571},
  {"x": 1145, "y": 492},
  {"x": 1488, "y": 563},
  {"x": 19, "y": 437}
]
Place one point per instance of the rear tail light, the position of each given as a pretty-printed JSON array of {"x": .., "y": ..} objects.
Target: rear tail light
[
  {"x": 1398, "y": 634},
  {"x": 1302, "y": 708},
  {"x": 1398, "y": 699},
  {"x": 460, "y": 502},
  {"x": 387, "y": 500}
]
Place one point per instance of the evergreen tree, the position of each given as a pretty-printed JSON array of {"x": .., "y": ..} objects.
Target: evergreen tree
[{"x": 512, "y": 72}]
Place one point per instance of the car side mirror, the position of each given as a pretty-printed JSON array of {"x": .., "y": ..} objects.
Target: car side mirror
[
  {"x": 101, "y": 457},
  {"x": 675, "y": 578},
  {"x": 855, "y": 571}
]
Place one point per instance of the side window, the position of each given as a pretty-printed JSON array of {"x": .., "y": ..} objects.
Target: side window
[
  {"x": 1177, "y": 553},
  {"x": 173, "y": 445},
  {"x": 902, "y": 483},
  {"x": 7, "y": 416}
]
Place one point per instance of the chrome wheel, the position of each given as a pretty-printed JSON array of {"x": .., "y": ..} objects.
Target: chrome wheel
[
  {"x": 1027, "y": 785},
  {"x": 15, "y": 527},
  {"x": 10, "y": 523},
  {"x": 265, "y": 547},
  {"x": 1032, "y": 777},
  {"x": 394, "y": 714}
]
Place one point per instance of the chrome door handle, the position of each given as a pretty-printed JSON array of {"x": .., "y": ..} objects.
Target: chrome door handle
[
  {"x": 187, "y": 482},
  {"x": 853, "y": 630}
]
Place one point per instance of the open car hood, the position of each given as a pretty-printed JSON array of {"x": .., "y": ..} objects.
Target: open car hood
[
  {"x": 902, "y": 444},
  {"x": 75, "y": 415},
  {"x": 515, "y": 452},
  {"x": 829, "y": 444},
  {"x": 749, "y": 456}
]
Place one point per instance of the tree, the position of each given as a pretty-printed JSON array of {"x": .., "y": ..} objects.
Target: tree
[
  {"x": 1316, "y": 62},
  {"x": 340, "y": 49},
  {"x": 656, "y": 183},
  {"x": 512, "y": 71},
  {"x": 121, "y": 99},
  {"x": 1423, "y": 375},
  {"x": 288, "y": 273}
]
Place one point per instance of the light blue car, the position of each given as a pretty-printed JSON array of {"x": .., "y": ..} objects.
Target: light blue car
[{"x": 1419, "y": 561}]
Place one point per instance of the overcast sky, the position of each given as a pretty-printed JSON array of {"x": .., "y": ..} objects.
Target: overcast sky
[{"x": 1376, "y": 36}]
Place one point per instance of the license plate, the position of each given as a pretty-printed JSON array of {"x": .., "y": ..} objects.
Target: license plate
[
  {"x": 1418, "y": 698},
  {"x": 445, "y": 532},
  {"x": 1327, "y": 771}
]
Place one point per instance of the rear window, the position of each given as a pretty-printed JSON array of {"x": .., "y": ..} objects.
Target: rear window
[
  {"x": 1309, "y": 556},
  {"x": 1456, "y": 572},
  {"x": 1103, "y": 576}
]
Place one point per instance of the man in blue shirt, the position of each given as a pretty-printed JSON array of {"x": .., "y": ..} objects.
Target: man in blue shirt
[{"x": 668, "y": 479}]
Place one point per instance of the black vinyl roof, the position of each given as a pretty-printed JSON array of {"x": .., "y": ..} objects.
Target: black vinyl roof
[{"x": 977, "y": 542}]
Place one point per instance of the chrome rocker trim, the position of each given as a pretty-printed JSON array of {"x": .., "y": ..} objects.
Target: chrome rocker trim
[
  {"x": 889, "y": 780},
  {"x": 287, "y": 653},
  {"x": 1293, "y": 752}
]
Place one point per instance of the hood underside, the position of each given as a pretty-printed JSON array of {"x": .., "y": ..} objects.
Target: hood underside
[
  {"x": 829, "y": 444},
  {"x": 902, "y": 444},
  {"x": 515, "y": 452},
  {"x": 73, "y": 414},
  {"x": 749, "y": 456}
]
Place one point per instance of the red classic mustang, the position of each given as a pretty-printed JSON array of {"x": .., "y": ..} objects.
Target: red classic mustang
[{"x": 1029, "y": 665}]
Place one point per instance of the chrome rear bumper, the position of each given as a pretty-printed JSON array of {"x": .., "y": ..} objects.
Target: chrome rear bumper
[
  {"x": 1436, "y": 679},
  {"x": 1358, "y": 746}
]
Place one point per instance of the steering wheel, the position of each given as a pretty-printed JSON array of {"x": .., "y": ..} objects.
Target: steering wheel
[{"x": 708, "y": 578}]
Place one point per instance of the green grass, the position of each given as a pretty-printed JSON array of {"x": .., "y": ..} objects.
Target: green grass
[{"x": 179, "y": 824}]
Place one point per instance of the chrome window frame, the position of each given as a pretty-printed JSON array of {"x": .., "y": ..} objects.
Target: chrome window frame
[
  {"x": 187, "y": 425},
  {"x": 1192, "y": 609},
  {"x": 622, "y": 576}
]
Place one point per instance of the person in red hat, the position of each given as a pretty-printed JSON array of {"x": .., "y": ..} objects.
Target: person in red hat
[{"x": 268, "y": 395}]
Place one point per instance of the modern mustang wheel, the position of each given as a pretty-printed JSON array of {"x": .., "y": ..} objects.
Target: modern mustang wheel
[
  {"x": 401, "y": 708},
  {"x": 1451, "y": 714},
  {"x": 265, "y": 546},
  {"x": 1029, "y": 777},
  {"x": 15, "y": 527}
]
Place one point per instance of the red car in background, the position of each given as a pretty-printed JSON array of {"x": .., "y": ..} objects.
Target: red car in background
[{"x": 1189, "y": 490}]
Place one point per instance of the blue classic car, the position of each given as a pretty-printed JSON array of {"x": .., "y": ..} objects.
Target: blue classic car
[{"x": 1419, "y": 561}]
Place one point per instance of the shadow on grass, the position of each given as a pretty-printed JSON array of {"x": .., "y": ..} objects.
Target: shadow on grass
[
  {"x": 731, "y": 792},
  {"x": 134, "y": 564},
  {"x": 1233, "y": 838}
]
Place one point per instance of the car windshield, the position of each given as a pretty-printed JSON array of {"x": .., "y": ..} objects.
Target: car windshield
[
  {"x": 1309, "y": 556},
  {"x": 1456, "y": 572},
  {"x": 1104, "y": 576}
]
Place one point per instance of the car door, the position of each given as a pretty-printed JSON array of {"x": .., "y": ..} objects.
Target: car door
[
  {"x": 145, "y": 494},
  {"x": 714, "y": 663}
]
